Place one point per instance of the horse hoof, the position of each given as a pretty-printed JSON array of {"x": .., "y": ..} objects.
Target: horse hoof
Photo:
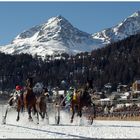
[
  {"x": 17, "y": 119},
  {"x": 71, "y": 121},
  {"x": 3, "y": 122},
  {"x": 30, "y": 119}
]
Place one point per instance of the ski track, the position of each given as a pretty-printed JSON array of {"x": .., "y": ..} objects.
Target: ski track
[{"x": 99, "y": 129}]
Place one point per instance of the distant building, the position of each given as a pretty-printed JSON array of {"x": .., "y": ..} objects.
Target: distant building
[
  {"x": 136, "y": 86},
  {"x": 122, "y": 88},
  {"x": 108, "y": 85},
  {"x": 96, "y": 95},
  {"x": 105, "y": 101},
  {"x": 108, "y": 88}
]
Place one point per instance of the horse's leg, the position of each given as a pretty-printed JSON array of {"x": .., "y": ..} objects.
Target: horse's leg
[
  {"x": 92, "y": 116},
  {"x": 94, "y": 112},
  {"x": 34, "y": 108},
  {"x": 29, "y": 113},
  {"x": 41, "y": 114},
  {"x": 18, "y": 110},
  {"x": 21, "y": 102},
  {"x": 79, "y": 110},
  {"x": 47, "y": 117},
  {"x": 37, "y": 118},
  {"x": 46, "y": 113},
  {"x": 24, "y": 101},
  {"x": 18, "y": 116},
  {"x": 73, "y": 112},
  {"x": 80, "y": 113},
  {"x": 4, "y": 118}
]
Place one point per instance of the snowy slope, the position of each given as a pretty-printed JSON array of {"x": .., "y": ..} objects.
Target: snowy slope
[
  {"x": 129, "y": 26},
  {"x": 57, "y": 35},
  {"x": 99, "y": 129}
]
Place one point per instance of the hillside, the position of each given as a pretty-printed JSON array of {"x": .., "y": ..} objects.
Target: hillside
[{"x": 118, "y": 62}]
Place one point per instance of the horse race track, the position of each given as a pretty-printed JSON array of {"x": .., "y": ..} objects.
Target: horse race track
[{"x": 99, "y": 129}]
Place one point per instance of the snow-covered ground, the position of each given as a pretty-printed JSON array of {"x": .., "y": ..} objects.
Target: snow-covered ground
[{"x": 99, "y": 129}]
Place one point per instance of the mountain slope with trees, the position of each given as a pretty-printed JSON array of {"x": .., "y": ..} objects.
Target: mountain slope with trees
[{"x": 116, "y": 63}]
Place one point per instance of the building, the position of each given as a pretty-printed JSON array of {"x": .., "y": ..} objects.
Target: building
[
  {"x": 122, "y": 88},
  {"x": 108, "y": 88},
  {"x": 136, "y": 86},
  {"x": 105, "y": 101}
]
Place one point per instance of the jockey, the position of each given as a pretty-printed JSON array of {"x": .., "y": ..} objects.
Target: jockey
[
  {"x": 18, "y": 90},
  {"x": 19, "y": 93},
  {"x": 70, "y": 93},
  {"x": 69, "y": 96}
]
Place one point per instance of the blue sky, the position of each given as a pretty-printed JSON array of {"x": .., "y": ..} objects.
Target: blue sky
[{"x": 90, "y": 17}]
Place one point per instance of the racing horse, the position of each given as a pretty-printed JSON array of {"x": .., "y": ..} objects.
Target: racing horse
[
  {"x": 29, "y": 100},
  {"x": 15, "y": 102},
  {"x": 79, "y": 100},
  {"x": 34, "y": 101},
  {"x": 41, "y": 102},
  {"x": 19, "y": 104}
]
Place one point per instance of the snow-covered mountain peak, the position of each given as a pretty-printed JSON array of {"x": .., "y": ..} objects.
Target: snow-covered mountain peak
[
  {"x": 136, "y": 14},
  {"x": 58, "y": 20},
  {"x": 57, "y": 35},
  {"x": 53, "y": 22},
  {"x": 124, "y": 29}
]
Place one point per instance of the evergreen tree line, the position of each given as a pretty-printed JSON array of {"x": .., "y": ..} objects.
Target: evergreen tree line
[{"x": 116, "y": 63}]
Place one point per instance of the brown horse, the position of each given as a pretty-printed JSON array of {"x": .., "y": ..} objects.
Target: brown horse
[
  {"x": 38, "y": 105},
  {"x": 81, "y": 99},
  {"x": 16, "y": 102},
  {"x": 29, "y": 99},
  {"x": 41, "y": 105}
]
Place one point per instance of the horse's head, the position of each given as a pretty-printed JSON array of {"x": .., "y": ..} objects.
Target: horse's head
[
  {"x": 29, "y": 82},
  {"x": 46, "y": 94},
  {"x": 79, "y": 92}
]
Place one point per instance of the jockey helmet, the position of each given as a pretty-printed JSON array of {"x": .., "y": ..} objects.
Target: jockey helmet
[{"x": 18, "y": 87}]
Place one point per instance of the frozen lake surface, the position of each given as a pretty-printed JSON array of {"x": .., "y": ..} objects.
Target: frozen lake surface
[{"x": 99, "y": 129}]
